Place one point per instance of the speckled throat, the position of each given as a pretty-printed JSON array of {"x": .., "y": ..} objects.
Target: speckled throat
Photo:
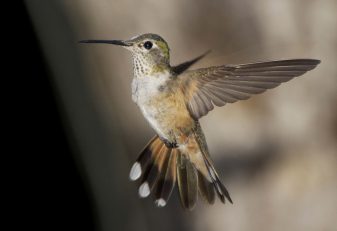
[
  {"x": 150, "y": 78},
  {"x": 140, "y": 66},
  {"x": 145, "y": 66}
]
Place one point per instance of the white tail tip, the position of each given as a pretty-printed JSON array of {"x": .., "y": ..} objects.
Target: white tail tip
[
  {"x": 135, "y": 172},
  {"x": 160, "y": 202},
  {"x": 144, "y": 190}
]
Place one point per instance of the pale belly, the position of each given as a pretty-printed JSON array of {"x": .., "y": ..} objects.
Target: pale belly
[
  {"x": 165, "y": 111},
  {"x": 156, "y": 118}
]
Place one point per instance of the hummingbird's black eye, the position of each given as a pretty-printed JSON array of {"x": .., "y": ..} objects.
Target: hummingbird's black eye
[{"x": 148, "y": 45}]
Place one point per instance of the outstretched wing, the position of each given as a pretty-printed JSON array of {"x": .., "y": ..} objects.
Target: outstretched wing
[
  {"x": 229, "y": 83},
  {"x": 184, "y": 66}
]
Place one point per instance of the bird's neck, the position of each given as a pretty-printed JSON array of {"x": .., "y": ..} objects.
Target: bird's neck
[{"x": 143, "y": 67}]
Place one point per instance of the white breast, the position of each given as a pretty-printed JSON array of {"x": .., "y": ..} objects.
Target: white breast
[
  {"x": 143, "y": 90},
  {"x": 145, "y": 87}
]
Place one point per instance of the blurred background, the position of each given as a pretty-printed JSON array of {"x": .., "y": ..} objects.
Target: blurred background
[{"x": 276, "y": 152}]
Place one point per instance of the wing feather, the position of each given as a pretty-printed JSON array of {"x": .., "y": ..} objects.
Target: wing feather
[
  {"x": 219, "y": 85},
  {"x": 184, "y": 66}
]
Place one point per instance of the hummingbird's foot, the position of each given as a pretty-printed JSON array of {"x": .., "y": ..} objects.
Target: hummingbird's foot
[{"x": 169, "y": 144}]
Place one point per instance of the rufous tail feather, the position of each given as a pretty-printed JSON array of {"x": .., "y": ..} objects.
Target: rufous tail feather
[{"x": 160, "y": 167}]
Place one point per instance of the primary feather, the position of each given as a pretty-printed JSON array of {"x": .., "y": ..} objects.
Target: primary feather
[{"x": 229, "y": 83}]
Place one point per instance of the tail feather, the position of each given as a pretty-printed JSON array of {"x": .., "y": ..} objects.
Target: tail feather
[
  {"x": 143, "y": 159},
  {"x": 167, "y": 179},
  {"x": 152, "y": 172},
  {"x": 206, "y": 188},
  {"x": 187, "y": 181},
  {"x": 219, "y": 187},
  {"x": 190, "y": 166}
]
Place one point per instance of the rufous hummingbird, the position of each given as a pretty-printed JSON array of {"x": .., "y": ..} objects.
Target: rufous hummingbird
[{"x": 172, "y": 99}]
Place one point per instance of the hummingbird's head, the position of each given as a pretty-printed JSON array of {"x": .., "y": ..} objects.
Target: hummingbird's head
[{"x": 148, "y": 50}]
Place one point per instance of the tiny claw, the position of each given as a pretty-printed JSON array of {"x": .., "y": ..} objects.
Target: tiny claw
[{"x": 169, "y": 144}]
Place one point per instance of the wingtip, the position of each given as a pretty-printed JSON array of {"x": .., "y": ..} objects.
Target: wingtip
[
  {"x": 312, "y": 61},
  {"x": 318, "y": 61},
  {"x": 205, "y": 53}
]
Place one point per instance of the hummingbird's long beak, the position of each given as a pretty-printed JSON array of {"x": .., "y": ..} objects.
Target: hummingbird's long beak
[{"x": 114, "y": 42}]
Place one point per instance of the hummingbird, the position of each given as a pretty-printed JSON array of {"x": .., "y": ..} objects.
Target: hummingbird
[{"x": 173, "y": 99}]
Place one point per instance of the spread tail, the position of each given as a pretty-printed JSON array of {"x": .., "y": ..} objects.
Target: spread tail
[
  {"x": 160, "y": 167},
  {"x": 156, "y": 165}
]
